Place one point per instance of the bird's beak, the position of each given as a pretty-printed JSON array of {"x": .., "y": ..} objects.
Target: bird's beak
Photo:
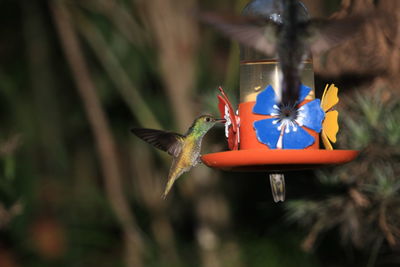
[{"x": 220, "y": 120}]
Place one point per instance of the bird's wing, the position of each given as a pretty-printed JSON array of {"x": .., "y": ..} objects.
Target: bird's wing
[
  {"x": 324, "y": 34},
  {"x": 252, "y": 32},
  {"x": 166, "y": 141}
]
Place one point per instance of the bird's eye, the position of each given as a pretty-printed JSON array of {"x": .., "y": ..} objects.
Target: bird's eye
[{"x": 208, "y": 119}]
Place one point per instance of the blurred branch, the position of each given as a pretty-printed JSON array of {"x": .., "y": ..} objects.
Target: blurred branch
[
  {"x": 10, "y": 145},
  {"x": 48, "y": 126},
  {"x": 377, "y": 53},
  {"x": 308, "y": 243},
  {"x": 117, "y": 74},
  {"x": 359, "y": 199},
  {"x": 315, "y": 7},
  {"x": 104, "y": 140},
  {"x": 7, "y": 214},
  {"x": 374, "y": 253},
  {"x": 119, "y": 16},
  {"x": 175, "y": 35},
  {"x": 232, "y": 71},
  {"x": 384, "y": 226}
]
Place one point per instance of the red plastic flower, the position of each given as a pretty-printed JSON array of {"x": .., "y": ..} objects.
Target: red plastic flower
[{"x": 232, "y": 120}]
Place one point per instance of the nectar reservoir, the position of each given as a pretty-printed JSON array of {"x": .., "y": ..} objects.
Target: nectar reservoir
[{"x": 258, "y": 72}]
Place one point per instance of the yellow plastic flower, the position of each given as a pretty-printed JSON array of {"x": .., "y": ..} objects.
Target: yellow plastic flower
[{"x": 330, "y": 126}]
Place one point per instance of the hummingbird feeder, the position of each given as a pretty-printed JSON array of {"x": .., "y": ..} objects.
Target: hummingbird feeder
[{"x": 259, "y": 137}]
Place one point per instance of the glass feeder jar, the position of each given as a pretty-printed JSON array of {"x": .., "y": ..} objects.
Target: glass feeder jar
[{"x": 257, "y": 71}]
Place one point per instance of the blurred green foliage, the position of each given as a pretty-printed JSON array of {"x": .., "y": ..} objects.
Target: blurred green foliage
[{"x": 363, "y": 196}]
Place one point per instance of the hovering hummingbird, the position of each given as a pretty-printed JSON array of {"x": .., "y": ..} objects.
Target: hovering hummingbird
[
  {"x": 291, "y": 36},
  {"x": 185, "y": 149}
]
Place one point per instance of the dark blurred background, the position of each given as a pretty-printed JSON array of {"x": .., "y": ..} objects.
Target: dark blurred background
[{"x": 77, "y": 189}]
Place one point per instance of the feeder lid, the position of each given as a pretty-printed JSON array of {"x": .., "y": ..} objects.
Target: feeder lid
[
  {"x": 272, "y": 9},
  {"x": 277, "y": 159}
]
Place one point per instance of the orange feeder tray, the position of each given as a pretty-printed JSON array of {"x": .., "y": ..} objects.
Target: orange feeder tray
[{"x": 277, "y": 160}]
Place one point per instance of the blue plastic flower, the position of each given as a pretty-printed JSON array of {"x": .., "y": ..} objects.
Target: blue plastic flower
[{"x": 285, "y": 129}]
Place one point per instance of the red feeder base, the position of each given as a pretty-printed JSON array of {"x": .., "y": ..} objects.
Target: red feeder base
[{"x": 277, "y": 159}]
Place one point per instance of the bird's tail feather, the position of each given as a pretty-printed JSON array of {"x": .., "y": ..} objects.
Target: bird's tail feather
[
  {"x": 173, "y": 175},
  {"x": 168, "y": 187}
]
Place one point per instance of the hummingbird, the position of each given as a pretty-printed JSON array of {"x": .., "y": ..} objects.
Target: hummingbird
[
  {"x": 185, "y": 149},
  {"x": 290, "y": 35}
]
